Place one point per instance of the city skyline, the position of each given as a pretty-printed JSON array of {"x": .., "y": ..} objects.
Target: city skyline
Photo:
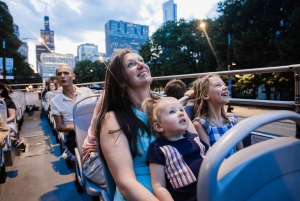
[{"x": 81, "y": 22}]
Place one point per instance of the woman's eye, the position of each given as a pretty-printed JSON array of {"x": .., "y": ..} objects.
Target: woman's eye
[{"x": 131, "y": 64}]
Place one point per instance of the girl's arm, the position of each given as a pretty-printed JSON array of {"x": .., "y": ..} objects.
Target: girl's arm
[
  {"x": 201, "y": 132},
  {"x": 158, "y": 182},
  {"x": 117, "y": 154},
  {"x": 11, "y": 115}
]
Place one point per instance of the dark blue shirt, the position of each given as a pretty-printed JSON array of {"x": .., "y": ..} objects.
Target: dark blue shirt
[{"x": 182, "y": 160}]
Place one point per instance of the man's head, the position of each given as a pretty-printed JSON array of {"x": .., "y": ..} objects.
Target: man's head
[
  {"x": 64, "y": 75},
  {"x": 175, "y": 88}
]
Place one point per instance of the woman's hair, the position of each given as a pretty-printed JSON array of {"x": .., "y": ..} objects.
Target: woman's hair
[
  {"x": 4, "y": 93},
  {"x": 116, "y": 99},
  {"x": 200, "y": 87}
]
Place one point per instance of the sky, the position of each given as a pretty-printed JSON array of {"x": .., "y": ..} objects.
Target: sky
[{"x": 76, "y": 22}]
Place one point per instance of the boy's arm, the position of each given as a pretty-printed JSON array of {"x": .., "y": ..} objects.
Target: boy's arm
[{"x": 158, "y": 182}]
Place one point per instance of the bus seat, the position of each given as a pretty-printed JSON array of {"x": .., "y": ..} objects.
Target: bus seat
[
  {"x": 32, "y": 98},
  {"x": 189, "y": 108},
  {"x": 82, "y": 116},
  {"x": 269, "y": 170}
]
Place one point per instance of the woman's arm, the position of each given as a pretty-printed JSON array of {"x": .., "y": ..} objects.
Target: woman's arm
[
  {"x": 158, "y": 182},
  {"x": 11, "y": 115},
  {"x": 201, "y": 132},
  {"x": 115, "y": 149}
]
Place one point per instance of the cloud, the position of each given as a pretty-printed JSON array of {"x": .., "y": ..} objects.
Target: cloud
[{"x": 83, "y": 21}]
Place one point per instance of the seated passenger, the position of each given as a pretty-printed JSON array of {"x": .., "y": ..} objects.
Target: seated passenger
[
  {"x": 62, "y": 107},
  {"x": 169, "y": 122},
  {"x": 11, "y": 115},
  {"x": 211, "y": 121},
  {"x": 51, "y": 87},
  {"x": 177, "y": 89},
  {"x": 122, "y": 130},
  {"x": 4, "y": 131},
  {"x": 46, "y": 89}
]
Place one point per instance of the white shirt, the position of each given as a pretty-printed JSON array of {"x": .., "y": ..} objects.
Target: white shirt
[{"x": 62, "y": 105}]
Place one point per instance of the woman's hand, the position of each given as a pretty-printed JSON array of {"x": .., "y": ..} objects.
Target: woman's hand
[{"x": 116, "y": 151}]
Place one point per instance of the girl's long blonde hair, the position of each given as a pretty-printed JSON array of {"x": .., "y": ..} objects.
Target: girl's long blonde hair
[{"x": 200, "y": 87}]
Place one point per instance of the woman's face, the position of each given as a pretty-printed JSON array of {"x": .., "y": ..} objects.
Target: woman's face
[
  {"x": 137, "y": 72},
  {"x": 52, "y": 86}
]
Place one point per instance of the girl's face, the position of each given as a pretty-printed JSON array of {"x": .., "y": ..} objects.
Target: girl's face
[
  {"x": 172, "y": 119},
  {"x": 137, "y": 72},
  {"x": 52, "y": 86},
  {"x": 217, "y": 91}
]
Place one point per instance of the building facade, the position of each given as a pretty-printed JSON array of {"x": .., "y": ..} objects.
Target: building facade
[
  {"x": 47, "y": 35},
  {"x": 23, "y": 49},
  {"x": 120, "y": 35},
  {"x": 170, "y": 11},
  {"x": 16, "y": 30},
  {"x": 86, "y": 50},
  {"x": 48, "y": 41},
  {"x": 50, "y": 61}
]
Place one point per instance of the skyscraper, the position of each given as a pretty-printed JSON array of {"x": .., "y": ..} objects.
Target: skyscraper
[
  {"x": 48, "y": 40},
  {"x": 120, "y": 35},
  {"x": 23, "y": 49},
  {"x": 47, "y": 35},
  {"x": 170, "y": 11}
]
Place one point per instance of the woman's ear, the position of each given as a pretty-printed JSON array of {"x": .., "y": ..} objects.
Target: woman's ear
[{"x": 157, "y": 127}]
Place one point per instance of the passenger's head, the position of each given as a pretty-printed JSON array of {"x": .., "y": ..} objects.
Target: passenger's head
[
  {"x": 126, "y": 71},
  {"x": 3, "y": 91},
  {"x": 175, "y": 88},
  {"x": 209, "y": 89},
  {"x": 64, "y": 75},
  {"x": 52, "y": 86},
  {"x": 9, "y": 89},
  {"x": 166, "y": 117}
]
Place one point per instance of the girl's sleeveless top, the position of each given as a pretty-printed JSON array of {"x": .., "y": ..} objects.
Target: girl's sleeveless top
[
  {"x": 215, "y": 132},
  {"x": 141, "y": 168}
]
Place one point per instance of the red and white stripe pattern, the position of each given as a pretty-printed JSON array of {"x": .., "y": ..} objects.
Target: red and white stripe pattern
[
  {"x": 177, "y": 171},
  {"x": 202, "y": 147}
]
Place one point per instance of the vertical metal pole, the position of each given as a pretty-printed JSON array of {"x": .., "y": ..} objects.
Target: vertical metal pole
[
  {"x": 297, "y": 100},
  {"x": 229, "y": 108},
  {"x": 4, "y": 64}
]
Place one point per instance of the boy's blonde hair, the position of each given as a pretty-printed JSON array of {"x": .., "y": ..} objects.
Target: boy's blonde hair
[
  {"x": 200, "y": 87},
  {"x": 153, "y": 110}
]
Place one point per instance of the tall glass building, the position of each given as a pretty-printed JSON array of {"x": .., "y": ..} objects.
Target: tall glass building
[
  {"x": 86, "y": 50},
  {"x": 170, "y": 11},
  {"x": 121, "y": 34}
]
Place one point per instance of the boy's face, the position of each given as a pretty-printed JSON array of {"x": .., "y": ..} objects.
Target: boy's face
[{"x": 173, "y": 121}]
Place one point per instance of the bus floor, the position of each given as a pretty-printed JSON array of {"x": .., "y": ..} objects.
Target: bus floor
[{"x": 40, "y": 173}]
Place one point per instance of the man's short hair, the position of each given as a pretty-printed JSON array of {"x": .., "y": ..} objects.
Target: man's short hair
[{"x": 175, "y": 88}]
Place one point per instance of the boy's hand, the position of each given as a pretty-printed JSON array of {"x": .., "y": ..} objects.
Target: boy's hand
[{"x": 189, "y": 93}]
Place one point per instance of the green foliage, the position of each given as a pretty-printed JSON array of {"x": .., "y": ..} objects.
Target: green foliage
[
  {"x": 22, "y": 70},
  {"x": 87, "y": 71}
]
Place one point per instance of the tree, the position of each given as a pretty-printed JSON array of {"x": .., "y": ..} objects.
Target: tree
[
  {"x": 22, "y": 70},
  {"x": 178, "y": 48},
  {"x": 87, "y": 71}
]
